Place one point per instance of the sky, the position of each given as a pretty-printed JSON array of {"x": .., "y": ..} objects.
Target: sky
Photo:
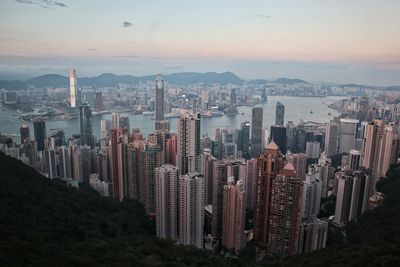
[{"x": 340, "y": 41}]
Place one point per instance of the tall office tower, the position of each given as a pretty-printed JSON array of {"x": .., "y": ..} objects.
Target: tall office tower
[
  {"x": 73, "y": 89},
  {"x": 343, "y": 197},
  {"x": 233, "y": 97},
  {"x": 278, "y": 135},
  {"x": 269, "y": 165},
  {"x": 219, "y": 180},
  {"x": 234, "y": 215},
  {"x": 280, "y": 114},
  {"x": 285, "y": 213},
  {"x": 291, "y": 134},
  {"x": 360, "y": 195},
  {"x": 313, "y": 234},
  {"x": 332, "y": 138},
  {"x": 159, "y": 83},
  {"x": 98, "y": 102},
  {"x": 166, "y": 202},
  {"x": 347, "y": 134},
  {"x": 64, "y": 159},
  {"x": 256, "y": 131},
  {"x": 267, "y": 135},
  {"x": 124, "y": 124},
  {"x": 188, "y": 143},
  {"x": 301, "y": 138},
  {"x": 116, "y": 163},
  {"x": 51, "y": 164},
  {"x": 39, "y": 130},
  {"x": 251, "y": 182},
  {"x": 207, "y": 164},
  {"x": 85, "y": 116},
  {"x": 299, "y": 161},
  {"x": 191, "y": 209},
  {"x": 312, "y": 187},
  {"x": 24, "y": 133},
  {"x": 115, "y": 120},
  {"x": 355, "y": 159}
]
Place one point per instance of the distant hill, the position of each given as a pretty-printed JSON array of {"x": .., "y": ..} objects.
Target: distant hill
[
  {"x": 47, "y": 80},
  {"x": 289, "y": 81},
  {"x": 111, "y": 80}
]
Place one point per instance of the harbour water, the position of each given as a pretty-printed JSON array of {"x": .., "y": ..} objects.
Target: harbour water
[{"x": 296, "y": 109}]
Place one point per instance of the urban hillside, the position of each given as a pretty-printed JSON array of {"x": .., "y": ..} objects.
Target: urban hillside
[{"x": 45, "y": 222}]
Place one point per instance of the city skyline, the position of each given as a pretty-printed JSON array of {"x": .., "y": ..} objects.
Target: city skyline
[{"x": 332, "y": 42}]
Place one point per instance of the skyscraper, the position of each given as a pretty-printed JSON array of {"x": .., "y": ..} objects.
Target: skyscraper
[
  {"x": 24, "y": 133},
  {"x": 188, "y": 143},
  {"x": 219, "y": 180},
  {"x": 343, "y": 197},
  {"x": 280, "y": 114},
  {"x": 166, "y": 202},
  {"x": 234, "y": 215},
  {"x": 285, "y": 217},
  {"x": 191, "y": 209},
  {"x": 347, "y": 135},
  {"x": 39, "y": 129},
  {"x": 116, "y": 163},
  {"x": 73, "y": 89},
  {"x": 85, "y": 116},
  {"x": 278, "y": 135},
  {"x": 124, "y": 124},
  {"x": 270, "y": 163},
  {"x": 244, "y": 139},
  {"x": 332, "y": 138},
  {"x": 159, "y": 84},
  {"x": 256, "y": 131}
]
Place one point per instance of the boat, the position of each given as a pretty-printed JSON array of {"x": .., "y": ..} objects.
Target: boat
[
  {"x": 311, "y": 112},
  {"x": 329, "y": 113},
  {"x": 148, "y": 112}
]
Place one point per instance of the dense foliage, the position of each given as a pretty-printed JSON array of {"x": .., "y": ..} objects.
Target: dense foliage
[{"x": 48, "y": 223}]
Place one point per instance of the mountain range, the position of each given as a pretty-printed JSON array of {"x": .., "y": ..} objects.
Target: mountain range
[{"x": 113, "y": 80}]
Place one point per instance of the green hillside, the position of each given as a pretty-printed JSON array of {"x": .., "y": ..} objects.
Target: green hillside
[{"x": 47, "y": 223}]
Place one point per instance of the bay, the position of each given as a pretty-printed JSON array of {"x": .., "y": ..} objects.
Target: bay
[{"x": 296, "y": 109}]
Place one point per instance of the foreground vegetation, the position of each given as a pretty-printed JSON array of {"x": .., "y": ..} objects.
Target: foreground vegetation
[{"x": 47, "y": 223}]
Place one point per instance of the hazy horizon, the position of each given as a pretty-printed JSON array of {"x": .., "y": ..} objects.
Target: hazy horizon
[{"x": 340, "y": 41}]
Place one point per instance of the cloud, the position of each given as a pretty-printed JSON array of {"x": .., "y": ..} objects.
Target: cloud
[
  {"x": 173, "y": 66},
  {"x": 126, "y": 24},
  {"x": 126, "y": 56},
  {"x": 42, "y": 3},
  {"x": 261, "y": 16}
]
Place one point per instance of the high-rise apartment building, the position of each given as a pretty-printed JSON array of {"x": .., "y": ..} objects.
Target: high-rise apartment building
[
  {"x": 234, "y": 215},
  {"x": 256, "y": 131},
  {"x": 270, "y": 163},
  {"x": 285, "y": 213},
  {"x": 166, "y": 202},
  {"x": 191, "y": 209},
  {"x": 347, "y": 135},
  {"x": 188, "y": 143}
]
